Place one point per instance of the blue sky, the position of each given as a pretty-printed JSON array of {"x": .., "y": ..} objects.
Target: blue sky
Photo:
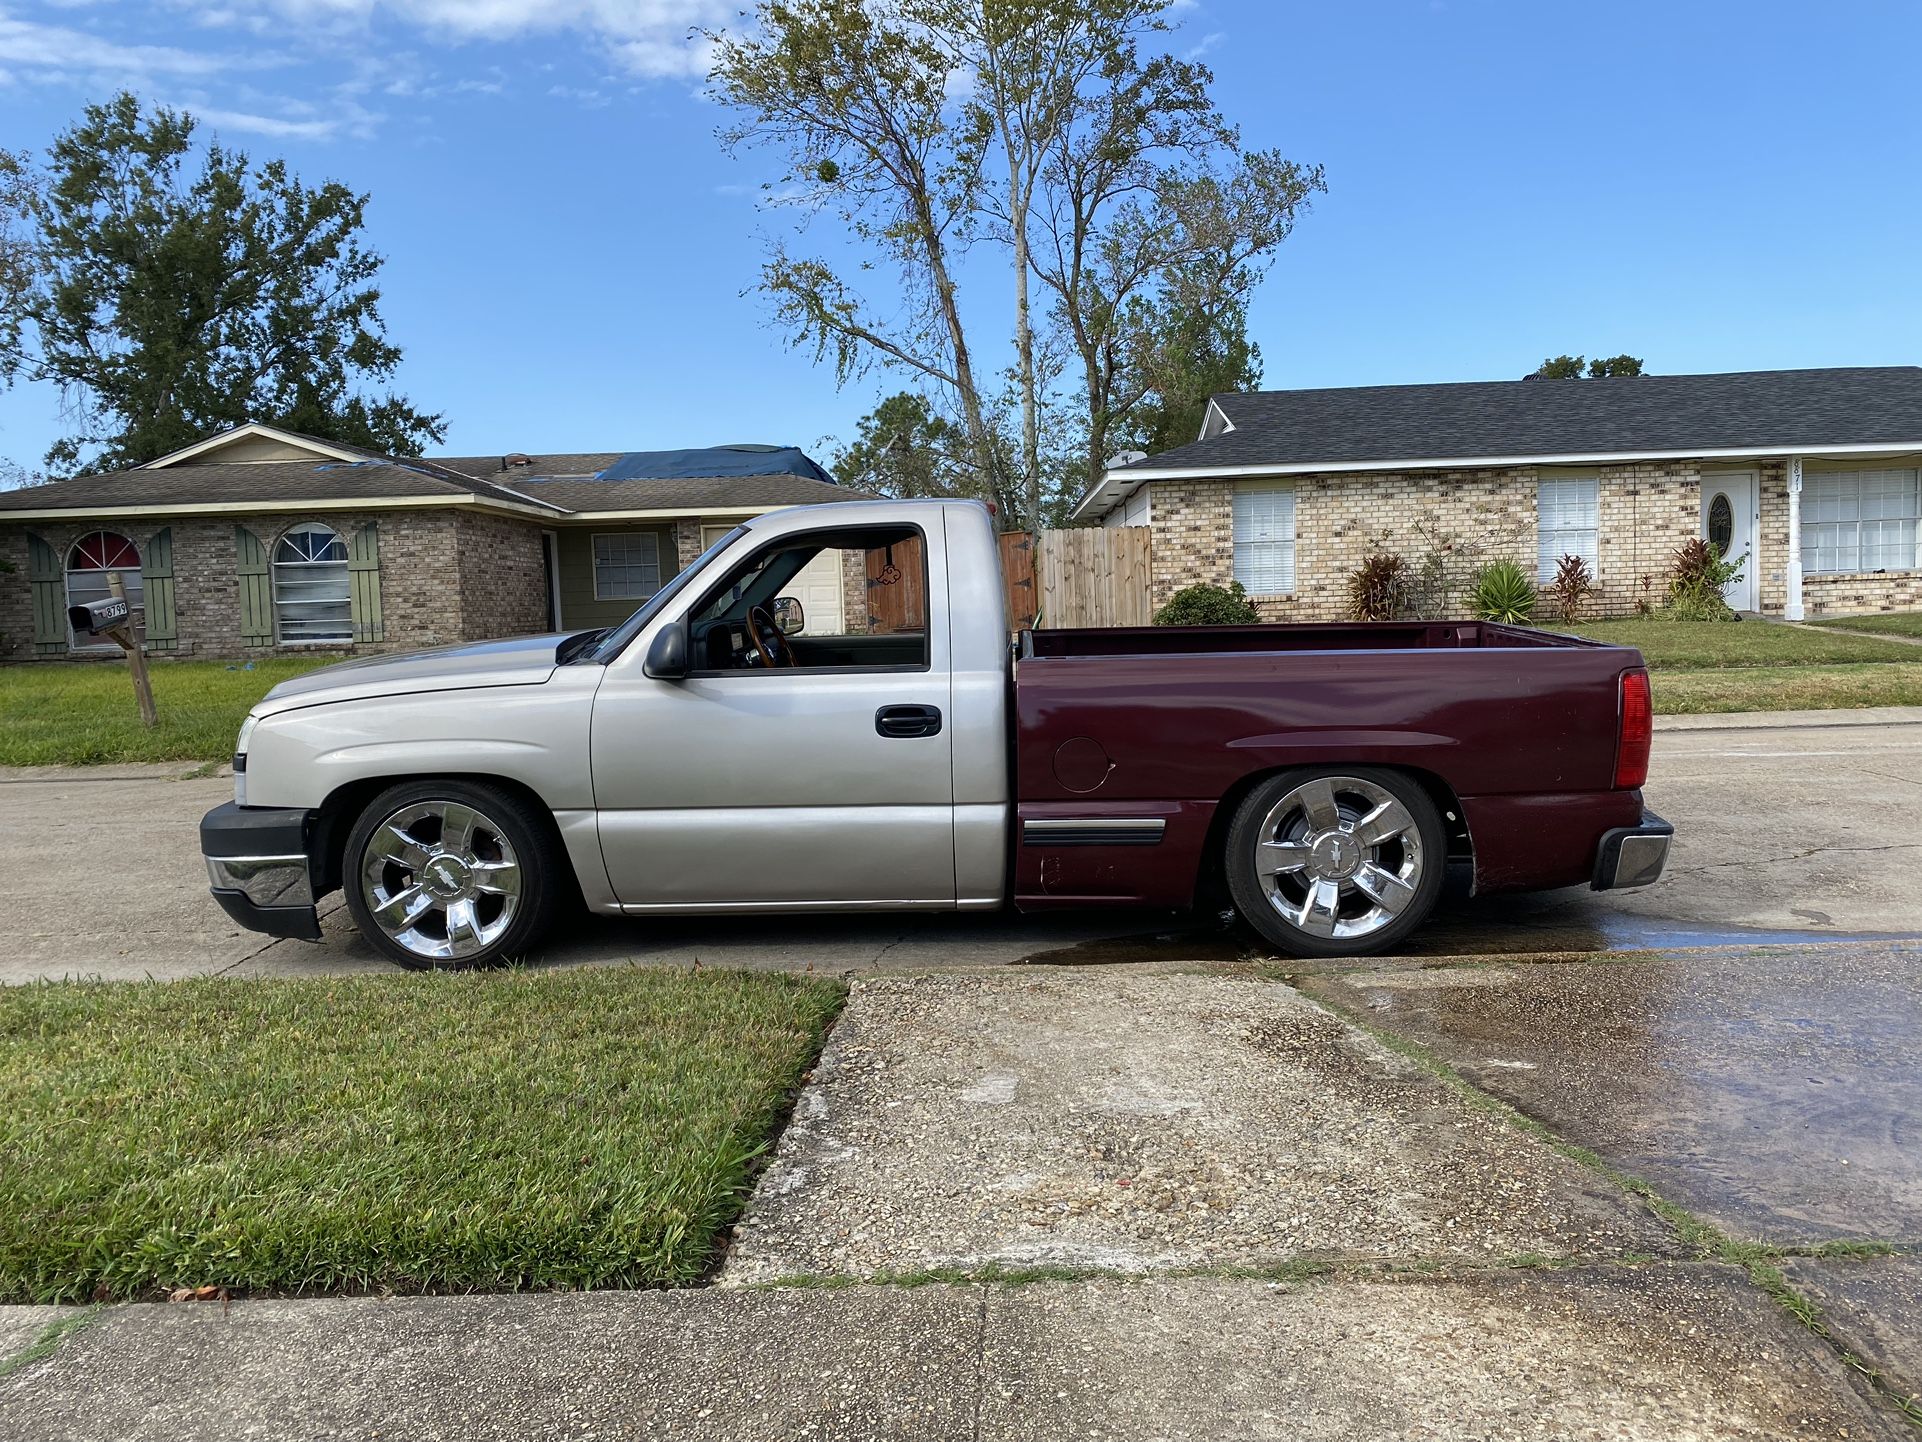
[{"x": 1709, "y": 186}]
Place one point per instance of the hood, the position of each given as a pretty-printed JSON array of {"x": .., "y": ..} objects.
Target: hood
[{"x": 516, "y": 661}]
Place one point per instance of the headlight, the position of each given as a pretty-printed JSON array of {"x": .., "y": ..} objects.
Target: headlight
[{"x": 240, "y": 759}]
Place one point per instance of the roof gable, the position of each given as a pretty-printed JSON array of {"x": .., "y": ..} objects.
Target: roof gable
[{"x": 256, "y": 443}]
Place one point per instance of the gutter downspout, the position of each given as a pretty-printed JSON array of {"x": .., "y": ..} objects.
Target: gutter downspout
[{"x": 1792, "y": 573}]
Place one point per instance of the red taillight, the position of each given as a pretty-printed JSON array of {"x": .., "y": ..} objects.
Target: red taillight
[{"x": 1637, "y": 730}]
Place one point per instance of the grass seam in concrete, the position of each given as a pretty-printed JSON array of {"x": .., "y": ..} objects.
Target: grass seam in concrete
[
  {"x": 49, "y": 1340},
  {"x": 1756, "y": 1259}
]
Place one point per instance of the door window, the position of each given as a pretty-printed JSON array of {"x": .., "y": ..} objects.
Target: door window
[
  {"x": 854, "y": 598},
  {"x": 1721, "y": 522}
]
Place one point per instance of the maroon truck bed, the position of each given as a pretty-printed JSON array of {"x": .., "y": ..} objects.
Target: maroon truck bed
[{"x": 1513, "y": 731}]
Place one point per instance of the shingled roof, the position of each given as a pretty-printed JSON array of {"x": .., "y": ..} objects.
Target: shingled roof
[
  {"x": 558, "y": 484},
  {"x": 1493, "y": 422}
]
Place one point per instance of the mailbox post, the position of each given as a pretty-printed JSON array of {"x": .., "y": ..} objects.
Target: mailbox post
[{"x": 113, "y": 618}]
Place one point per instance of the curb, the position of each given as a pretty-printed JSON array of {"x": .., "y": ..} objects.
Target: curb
[{"x": 1792, "y": 720}]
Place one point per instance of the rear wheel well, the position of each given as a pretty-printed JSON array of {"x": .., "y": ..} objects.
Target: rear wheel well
[
  {"x": 335, "y": 817},
  {"x": 1211, "y": 883}
]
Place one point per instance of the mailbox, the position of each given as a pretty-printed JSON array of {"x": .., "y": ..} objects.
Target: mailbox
[{"x": 93, "y": 617}]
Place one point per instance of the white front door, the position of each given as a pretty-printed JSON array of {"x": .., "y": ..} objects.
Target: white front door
[{"x": 1730, "y": 521}]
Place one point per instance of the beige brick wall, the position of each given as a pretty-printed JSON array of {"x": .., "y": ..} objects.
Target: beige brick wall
[
  {"x": 1858, "y": 593},
  {"x": 1646, "y": 512}
]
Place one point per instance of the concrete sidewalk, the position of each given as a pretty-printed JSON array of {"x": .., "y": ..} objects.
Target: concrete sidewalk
[{"x": 1657, "y": 1352}]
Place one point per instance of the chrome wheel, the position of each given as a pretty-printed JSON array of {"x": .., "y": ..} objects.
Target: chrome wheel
[
  {"x": 1339, "y": 857},
  {"x": 441, "y": 879}
]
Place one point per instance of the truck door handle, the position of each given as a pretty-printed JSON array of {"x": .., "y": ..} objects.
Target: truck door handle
[{"x": 898, "y": 721}]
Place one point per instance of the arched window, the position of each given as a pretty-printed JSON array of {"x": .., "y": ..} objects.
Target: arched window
[
  {"x": 311, "y": 595},
  {"x": 94, "y": 557}
]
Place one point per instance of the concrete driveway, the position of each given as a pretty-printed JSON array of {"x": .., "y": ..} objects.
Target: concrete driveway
[{"x": 1783, "y": 833}]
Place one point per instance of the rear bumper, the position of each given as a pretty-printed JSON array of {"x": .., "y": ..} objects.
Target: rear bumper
[
  {"x": 1633, "y": 855},
  {"x": 257, "y": 860}
]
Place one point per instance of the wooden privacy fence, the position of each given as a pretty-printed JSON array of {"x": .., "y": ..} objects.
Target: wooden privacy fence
[{"x": 1092, "y": 577}]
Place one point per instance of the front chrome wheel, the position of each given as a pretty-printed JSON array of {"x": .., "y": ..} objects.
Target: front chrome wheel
[
  {"x": 1340, "y": 858},
  {"x": 441, "y": 880}
]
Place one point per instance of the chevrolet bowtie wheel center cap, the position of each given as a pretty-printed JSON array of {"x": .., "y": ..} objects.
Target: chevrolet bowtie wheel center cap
[{"x": 1337, "y": 855}]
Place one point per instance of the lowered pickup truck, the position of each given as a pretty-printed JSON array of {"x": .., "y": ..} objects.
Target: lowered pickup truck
[{"x": 824, "y": 712}]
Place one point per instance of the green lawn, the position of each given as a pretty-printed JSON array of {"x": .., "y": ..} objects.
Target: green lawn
[
  {"x": 1890, "y": 623},
  {"x": 406, "y": 1133},
  {"x": 76, "y": 713},
  {"x": 1705, "y": 645},
  {"x": 1786, "y": 688}
]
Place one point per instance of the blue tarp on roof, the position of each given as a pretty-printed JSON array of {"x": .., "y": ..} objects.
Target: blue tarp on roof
[{"x": 715, "y": 461}]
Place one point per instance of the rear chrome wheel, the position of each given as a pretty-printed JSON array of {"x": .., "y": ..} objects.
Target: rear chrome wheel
[
  {"x": 450, "y": 874},
  {"x": 1336, "y": 863}
]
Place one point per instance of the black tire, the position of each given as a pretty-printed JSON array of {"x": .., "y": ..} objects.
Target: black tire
[
  {"x": 1274, "y": 915},
  {"x": 530, "y": 848}
]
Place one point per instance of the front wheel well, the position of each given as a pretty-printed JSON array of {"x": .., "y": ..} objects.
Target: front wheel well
[
  {"x": 335, "y": 817},
  {"x": 1211, "y": 880}
]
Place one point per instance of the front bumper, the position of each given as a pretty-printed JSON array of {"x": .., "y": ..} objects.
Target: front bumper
[
  {"x": 1633, "y": 855},
  {"x": 257, "y": 859}
]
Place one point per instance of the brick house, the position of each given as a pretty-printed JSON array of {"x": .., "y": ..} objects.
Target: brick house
[
  {"x": 1813, "y": 474},
  {"x": 259, "y": 540}
]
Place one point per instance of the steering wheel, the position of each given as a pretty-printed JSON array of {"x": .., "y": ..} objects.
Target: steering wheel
[{"x": 770, "y": 641}]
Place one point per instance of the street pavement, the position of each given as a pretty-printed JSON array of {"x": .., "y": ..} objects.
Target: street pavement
[{"x": 1783, "y": 831}]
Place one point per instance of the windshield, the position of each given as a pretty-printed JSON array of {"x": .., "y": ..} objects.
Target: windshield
[{"x": 615, "y": 641}]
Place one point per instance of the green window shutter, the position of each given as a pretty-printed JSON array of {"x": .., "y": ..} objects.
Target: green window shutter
[
  {"x": 363, "y": 577},
  {"x": 157, "y": 581},
  {"x": 256, "y": 590},
  {"x": 49, "y": 597}
]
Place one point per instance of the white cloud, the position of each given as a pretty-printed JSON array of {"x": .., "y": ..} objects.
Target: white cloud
[
  {"x": 267, "y": 125},
  {"x": 61, "y": 49},
  {"x": 649, "y": 37},
  {"x": 1208, "y": 42}
]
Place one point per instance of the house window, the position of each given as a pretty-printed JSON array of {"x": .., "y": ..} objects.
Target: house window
[
  {"x": 311, "y": 589},
  {"x": 627, "y": 566},
  {"x": 1567, "y": 517},
  {"x": 1860, "y": 520},
  {"x": 94, "y": 558},
  {"x": 1265, "y": 539}
]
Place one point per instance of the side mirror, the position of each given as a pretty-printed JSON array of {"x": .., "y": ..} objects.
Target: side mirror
[
  {"x": 789, "y": 615},
  {"x": 667, "y": 654}
]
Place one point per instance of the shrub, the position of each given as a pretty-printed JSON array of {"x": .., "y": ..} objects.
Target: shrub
[
  {"x": 1697, "y": 574},
  {"x": 1381, "y": 589},
  {"x": 1503, "y": 592},
  {"x": 1209, "y": 606},
  {"x": 1571, "y": 587}
]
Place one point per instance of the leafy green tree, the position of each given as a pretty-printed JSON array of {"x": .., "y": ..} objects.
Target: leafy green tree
[
  {"x": 168, "y": 299},
  {"x": 1570, "y": 368},
  {"x": 1052, "y": 130},
  {"x": 1190, "y": 357}
]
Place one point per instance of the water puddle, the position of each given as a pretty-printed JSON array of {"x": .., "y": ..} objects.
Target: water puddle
[
  {"x": 1190, "y": 944},
  {"x": 1465, "y": 932}
]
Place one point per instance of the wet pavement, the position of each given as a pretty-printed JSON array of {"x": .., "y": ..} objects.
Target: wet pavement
[
  {"x": 1773, "y": 1091},
  {"x": 1873, "y": 1306}
]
